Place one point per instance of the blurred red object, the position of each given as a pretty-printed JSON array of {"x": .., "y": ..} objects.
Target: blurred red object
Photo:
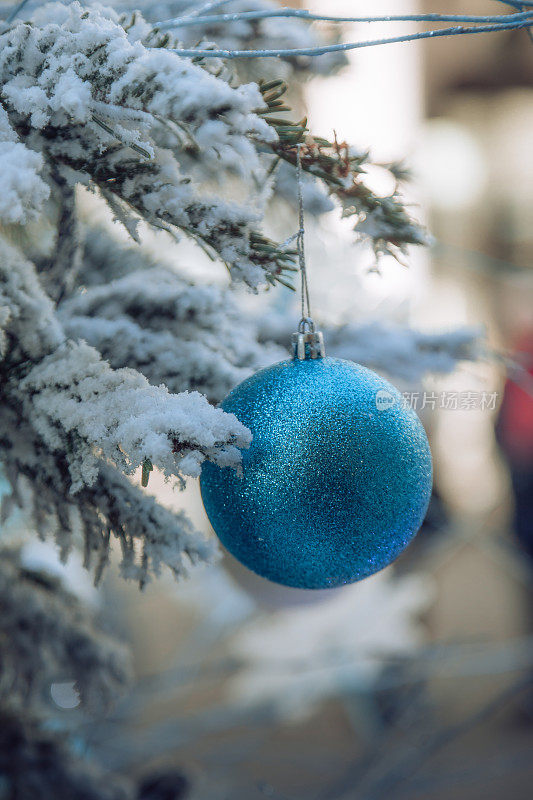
[{"x": 515, "y": 423}]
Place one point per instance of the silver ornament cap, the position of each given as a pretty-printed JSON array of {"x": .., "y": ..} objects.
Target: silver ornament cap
[{"x": 307, "y": 342}]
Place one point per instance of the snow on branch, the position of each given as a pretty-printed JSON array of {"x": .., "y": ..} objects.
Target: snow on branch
[
  {"x": 23, "y": 189},
  {"x": 82, "y": 63},
  {"x": 150, "y": 536},
  {"x": 203, "y": 365},
  {"x": 189, "y": 337},
  {"x": 109, "y": 104},
  {"x": 28, "y": 323},
  {"x": 91, "y": 97},
  {"x": 405, "y": 353},
  {"x": 79, "y": 404},
  {"x": 65, "y": 413}
]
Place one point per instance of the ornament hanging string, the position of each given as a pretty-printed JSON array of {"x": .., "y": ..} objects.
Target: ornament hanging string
[
  {"x": 306, "y": 305},
  {"x": 307, "y": 341}
]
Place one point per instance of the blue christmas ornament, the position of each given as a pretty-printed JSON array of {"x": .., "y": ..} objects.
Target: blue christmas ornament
[{"x": 337, "y": 479}]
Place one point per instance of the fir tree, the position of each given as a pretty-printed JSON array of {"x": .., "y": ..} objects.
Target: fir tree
[{"x": 111, "y": 362}]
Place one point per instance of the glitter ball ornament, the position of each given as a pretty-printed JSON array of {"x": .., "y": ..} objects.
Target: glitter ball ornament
[{"x": 336, "y": 481}]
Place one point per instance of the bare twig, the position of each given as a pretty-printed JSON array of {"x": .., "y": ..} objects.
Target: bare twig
[
  {"x": 335, "y": 48},
  {"x": 197, "y": 12},
  {"x": 310, "y": 17}
]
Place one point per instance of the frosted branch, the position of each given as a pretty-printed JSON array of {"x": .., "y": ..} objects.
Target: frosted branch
[
  {"x": 283, "y": 13},
  {"x": 79, "y": 405},
  {"x": 337, "y": 48},
  {"x": 200, "y": 10},
  {"x": 30, "y": 327},
  {"x": 189, "y": 337},
  {"x": 149, "y": 536},
  {"x": 23, "y": 188},
  {"x": 93, "y": 104}
]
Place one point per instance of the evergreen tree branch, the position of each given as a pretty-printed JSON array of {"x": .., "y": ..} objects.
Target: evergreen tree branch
[
  {"x": 190, "y": 338},
  {"x": 382, "y": 220},
  {"x": 36, "y": 762},
  {"x": 82, "y": 111},
  {"x": 77, "y": 404},
  {"x": 59, "y": 271}
]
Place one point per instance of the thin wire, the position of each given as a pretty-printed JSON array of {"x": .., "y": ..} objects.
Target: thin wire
[{"x": 306, "y": 305}]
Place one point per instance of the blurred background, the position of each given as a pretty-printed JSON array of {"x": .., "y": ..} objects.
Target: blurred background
[{"x": 415, "y": 683}]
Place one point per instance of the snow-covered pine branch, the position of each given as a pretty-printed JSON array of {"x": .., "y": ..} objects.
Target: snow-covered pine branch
[
  {"x": 23, "y": 189},
  {"x": 75, "y": 399},
  {"x": 91, "y": 98},
  {"x": 79, "y": 405},
  {"x": 106, "y": 103},
  {"x": 65, "y": 411},
  {"x": 404, "y": 353},
  {"x": 189, "y": 337},
  {"x": 46, "y": 635},
  {"x": 149, "y": 536},
  {"x": 160, "y": 356},
  {"x": 165, "y": 538}
]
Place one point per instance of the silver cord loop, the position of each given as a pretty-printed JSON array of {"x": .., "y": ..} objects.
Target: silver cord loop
[
  {"x": 307, "y": 341},
  {"x": 306, "y": 305},
  {"x": 306, "y": 323}
]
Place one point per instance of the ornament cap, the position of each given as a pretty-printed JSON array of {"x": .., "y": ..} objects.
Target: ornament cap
[{"x": 307, "y": 341}]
